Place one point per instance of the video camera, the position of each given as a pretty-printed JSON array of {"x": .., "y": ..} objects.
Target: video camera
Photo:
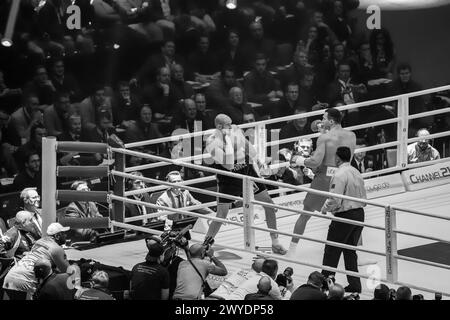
[{"x": 172, "y": 240}]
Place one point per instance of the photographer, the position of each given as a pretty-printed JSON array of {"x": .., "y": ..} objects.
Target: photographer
[
  {"x": 149, "y": 279},
  {"x": 192, "y": 273},
  {"x": 312, "y": 290},
  {"x": 98, "y": 288},
  {"x": 285, "y": 283}
]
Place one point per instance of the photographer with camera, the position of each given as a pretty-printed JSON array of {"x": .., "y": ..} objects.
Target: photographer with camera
[
  {"x": 312, "y": 290},
  {"x": 149, "y": 279},
  {"x": 192, "y": 274},
  {"x": 285, "y": 283}
]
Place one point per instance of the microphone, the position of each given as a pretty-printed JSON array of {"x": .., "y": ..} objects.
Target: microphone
[{"x": 316, "y": 125}]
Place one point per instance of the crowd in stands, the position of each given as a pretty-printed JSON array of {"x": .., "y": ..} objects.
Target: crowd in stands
[{"x": 145, "y": 69}]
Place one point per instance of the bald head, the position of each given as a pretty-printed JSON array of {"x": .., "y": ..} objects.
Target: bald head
[
  {"x": 196, "y": 250},
  {"x": 236, "y": 95},
  {"x": 257, "y": 264},
  {"x": 222, "y": 120},
  {"x": 264, "y": 285},
  {"x": 336, "y": 292}
]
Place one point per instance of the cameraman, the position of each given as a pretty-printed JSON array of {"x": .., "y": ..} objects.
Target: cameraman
[
  {"x": 189, "y": 283},
  {"x": 149, "y": 279},
  {"x": 285, "y": 283}
]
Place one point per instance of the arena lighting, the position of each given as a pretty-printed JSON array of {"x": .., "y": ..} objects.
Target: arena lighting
[
  {"x": 7, "y": 38},
  {"x": 116, "y": 46},
  {"x": 403, "y": 4},
  {"x": 231, "y": 4}
]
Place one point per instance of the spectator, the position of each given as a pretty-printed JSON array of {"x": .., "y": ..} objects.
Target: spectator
[
  {"x": 312, "y": 290},
  {"x": 381, "y": 292},
  {"x": 260, "y": 85},
  {"x": 149, "y": 279},
  {"x": 382, "y": 50},
  {"x": 206, "y": 116},
  {"x": 98, "y": 288},
  {"x": 91, "y": 106},
  {"x": 37, "y": 132},
  {"x": 63, "y": 81},
  {"x": 258, "y": 44},
  {"x": 9, "y": 143},
  {"x": 189, "y": 281},
  {"x": 403, "y": 293},
  {"x": 422, "y": 150},
  {"x": 30, "y": 175},
  {"x": 264, "y": 286},
  {"x": 26, "y": 117},
  {"x": 187, "y": 117},
  {"x": 295, "y": 128},
  {"x": 233, "y": 54},
  {"x": 238, "y": 105},
  {"x": 181, "y": 89},
  {"x": 218, "y": 92},
  {"x": 296, "y": 71},
  {"x": 349, "y": 182},
  {"x": 309, "y": 94},
  {"x": 52, "y": 285},
  {"x": 81, "y": 210},
  {"x": 134, "y": 210},
  {"x": 42, "y": 86},
  {"x": 362, "y": 162},
  {"x": 339, "y": 22},
  {"x": 32, "y": 203},
  {"x": 177, "y": 198},
  {"x": 336, "y": 292},
  {"x": 20, "y": 238},
  {"x": 8, "y": 97},
  {"x": 203, "y": 62},
  {"x": 289, "y": 102},
  {"x": 20, "y": 282},
  {"x": 269, "y": 269},
  {"x": 55, "y": 116},
  {"x": 103, "y": 128},
  {"x": 125, "y": 106},
  {"x": 234, "y": 280}
]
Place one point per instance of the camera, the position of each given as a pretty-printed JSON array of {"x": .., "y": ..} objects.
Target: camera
[
  {"x": 325, "y": 282},
  {"x": 171, "y": 241},
  {"x": 208, "y": 242},
  {"x": 285, "y": 278},
  {"x": 418, "y": 297}
]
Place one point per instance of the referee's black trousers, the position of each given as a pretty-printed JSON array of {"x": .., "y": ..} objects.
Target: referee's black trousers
[{"x": 347, "y": 234}]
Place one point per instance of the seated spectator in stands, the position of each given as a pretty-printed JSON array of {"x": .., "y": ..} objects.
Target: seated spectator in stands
[
  {"x": 309, "y": 94},
  {"x": 52, "y": 285},
  {"x": 37, "y": 132},
  {"x": 134, "y": 210},
  {"x": 204, "y": 114},
  {"x": 295, "y": 128},
  {"x": 264, "y": 286},
  {"x": 189, "y": 283},
  {"x": 9, "y": 143},
  {"x": 187, "y": 117},
  {"x": 80, "y": 210},
  {"x": 364, "y": 163},
  {"x": 145, "y": 129},
  {"x": 125, "y": 106},
  {"x": 103, "y": 128},
  {"x": 269, "y": 269},
  {"x": 203, "y": 62},
  {"x": 31, "y": 202},
  {"x": 382, "y": 50},
  {"x": 238, "y": 106},
  {"x": 289, "y": 102},
  {"x": 181, "y": 89},
  {"x": 42, "y": 86},
  {"x": 231, "y": 282},
  {"x": 340, "y": 23},
  {"x": 29, "y": 115},
  {"x": 90, "y": 107},
  {"x": 9, "y": 98},
  {"x": 381, "y": 292},
  {"x": 328, "y": 72},
  {"x": 166, "y": 58},
  {"x": 98, "y": 288},
  {"x": 55, "y": 116},
  {"x": 422, "y": 150},
  {"x": 175, "y": 197},
  {"x": 160, "y": 95},
  {"x": 296, "y": 71},
  {"x": 260, "y": 85},
  {"x": 404, "y": 293},
  {"x": 258, "y": 43},
  {"x": 30, "y": 175},
  {"x": 63, "y": 81},
  {"x": 366, "y": 69},
  {"x": 149, "y": 279},
  {"x": 249, "y": 117},
  {"x": 233, "y": 54},
  {"x": 218, "y": 91},
  {"x": 336, "y": 292},
  {"x": 312, "y": 290},
  {"x": 200, "y": 13},
  {"x": 20, "y": 238},
  {"x": 20, "y": 282}
]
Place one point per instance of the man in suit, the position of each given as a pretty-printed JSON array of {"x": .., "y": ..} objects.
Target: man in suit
[
  {"x": 134, "y": 210},
  {"x": 362, "y": 162}
]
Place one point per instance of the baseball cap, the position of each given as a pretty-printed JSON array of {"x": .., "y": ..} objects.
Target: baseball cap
[
  {"x": 381, "y": 292},
  {"x": 55, "y": 228}
]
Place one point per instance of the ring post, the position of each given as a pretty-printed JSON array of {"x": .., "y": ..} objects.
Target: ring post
[
  {"x": 49, "y": 145},
  {"x": 118, "y": 212},
  {"x": 249, "y": 232},
  {"x": 391, "y": 245}
]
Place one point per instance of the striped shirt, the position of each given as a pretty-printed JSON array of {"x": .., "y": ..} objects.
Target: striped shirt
[{"x": 346, "y": 181}]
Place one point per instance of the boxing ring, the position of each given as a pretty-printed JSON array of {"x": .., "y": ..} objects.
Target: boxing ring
[{"x": 117, "y": 199}]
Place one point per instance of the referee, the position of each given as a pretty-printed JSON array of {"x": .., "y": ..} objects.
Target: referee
[{"x": 346, "y": 181}]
